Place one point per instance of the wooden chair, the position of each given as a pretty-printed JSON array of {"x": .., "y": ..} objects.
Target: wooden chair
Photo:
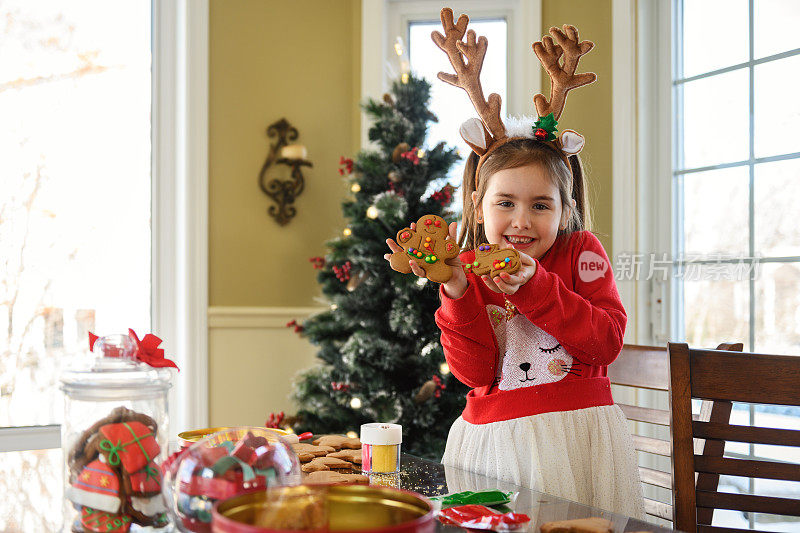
[
  {"x": 647, "y": 367},
  {"x": 729, "y": 377}
]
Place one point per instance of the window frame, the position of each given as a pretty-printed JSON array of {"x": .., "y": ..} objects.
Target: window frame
[{"x": 179, "y": 210}]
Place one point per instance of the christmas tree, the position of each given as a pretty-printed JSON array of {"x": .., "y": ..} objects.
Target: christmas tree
[{"x": 378, "y": 343}]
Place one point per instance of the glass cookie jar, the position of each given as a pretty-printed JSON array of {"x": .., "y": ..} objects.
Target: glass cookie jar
[{"x": 114, "y": 438}]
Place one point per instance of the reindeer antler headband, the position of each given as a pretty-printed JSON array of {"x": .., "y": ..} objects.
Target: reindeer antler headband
[{"x": 488, "y": 133}]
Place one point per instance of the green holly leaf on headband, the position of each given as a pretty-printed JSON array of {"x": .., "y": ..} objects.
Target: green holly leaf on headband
[{"x": 547, "y": 123}]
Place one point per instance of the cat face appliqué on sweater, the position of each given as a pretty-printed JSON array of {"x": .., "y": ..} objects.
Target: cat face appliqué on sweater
[{"x": 529, "y": 355}]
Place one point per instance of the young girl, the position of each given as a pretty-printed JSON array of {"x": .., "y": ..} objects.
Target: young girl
[{"x": 534, "y": 345}]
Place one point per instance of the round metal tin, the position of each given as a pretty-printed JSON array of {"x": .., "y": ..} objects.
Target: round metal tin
[{"x": 361, "y": 508}]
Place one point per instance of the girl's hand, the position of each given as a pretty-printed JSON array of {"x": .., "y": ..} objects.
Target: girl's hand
[
  {"x": 457, "y": 285},
  {"x": 510, "y": 283}
]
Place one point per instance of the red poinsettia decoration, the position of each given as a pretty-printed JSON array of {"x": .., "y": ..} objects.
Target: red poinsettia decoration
[
  {"x": 346, "y": 166},
  {"x": 147, "y": 351}
]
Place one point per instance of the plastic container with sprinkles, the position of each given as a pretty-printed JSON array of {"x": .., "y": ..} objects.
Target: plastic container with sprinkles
[{"x": 380, "y": 447}]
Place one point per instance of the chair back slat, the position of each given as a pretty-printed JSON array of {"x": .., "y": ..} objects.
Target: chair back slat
[
  {"x": 721, "y": 375},
  {"x": 643, "y": 414},
  {"x": 747, "y": 468},
  {"x": 718, "y": 529},
  {"x": 727, "y": 377},
  {"x": 644, "y": 367},
  {"x": 748, "y": 503},
  {"x": 754, "y": 435}
]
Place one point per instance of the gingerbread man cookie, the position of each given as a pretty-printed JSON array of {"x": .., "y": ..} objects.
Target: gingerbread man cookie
[
  {"x": 326, "y": 463},
  {"x": 429, "y": 245},
  {"x": 337, "y": 442},
  {"x": 329, "y": 477},
  {"x": 491, "y": 259}
]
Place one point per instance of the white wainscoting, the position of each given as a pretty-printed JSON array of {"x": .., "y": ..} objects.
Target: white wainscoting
[{"x": 253, "y": 359}]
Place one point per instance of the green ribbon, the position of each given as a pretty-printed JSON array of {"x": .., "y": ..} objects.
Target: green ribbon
[
  {"x": 150, "y": 472},
  {"x": 113, "y": 451}
]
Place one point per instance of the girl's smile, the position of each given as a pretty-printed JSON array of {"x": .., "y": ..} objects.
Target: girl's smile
[{"x": 521, "y": 209}]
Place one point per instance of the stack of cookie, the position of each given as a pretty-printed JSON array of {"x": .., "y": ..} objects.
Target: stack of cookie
[
  {"x": 114, "y": 479},
  {"x": 331, "y": 459}
]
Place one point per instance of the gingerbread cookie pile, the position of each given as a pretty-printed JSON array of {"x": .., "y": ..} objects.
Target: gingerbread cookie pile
[
  {"x": 331, "y": 459},
  {"x": 114, "y": 479}
]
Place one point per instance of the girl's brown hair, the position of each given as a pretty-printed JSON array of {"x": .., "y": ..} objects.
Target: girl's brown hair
[{"x": 519, "y": 153}]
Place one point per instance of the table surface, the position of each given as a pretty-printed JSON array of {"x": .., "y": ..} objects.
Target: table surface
[
  {"x": 434, "y": 479},
  {"x": 33, "y": 492}
]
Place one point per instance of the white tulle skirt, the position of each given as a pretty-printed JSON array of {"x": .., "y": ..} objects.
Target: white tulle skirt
[{"x": 585, "y": 455}]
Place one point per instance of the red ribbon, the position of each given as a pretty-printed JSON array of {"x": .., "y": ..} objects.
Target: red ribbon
[{"x": 148, "y": 352}]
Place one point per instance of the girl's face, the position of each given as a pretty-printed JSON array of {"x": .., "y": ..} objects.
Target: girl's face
[{"x": 521, "y": 208}]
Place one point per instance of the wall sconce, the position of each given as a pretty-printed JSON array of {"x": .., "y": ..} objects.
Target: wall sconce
[{"x": 284, "y": 192}]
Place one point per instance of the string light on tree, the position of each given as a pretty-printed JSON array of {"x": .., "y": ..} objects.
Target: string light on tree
[
  {"x": 355, "y": 402},
  {"x": 372, "y": 212},
  {"x": 420, "y": 153},
  {"x": 355, "y": 187},
  {"x": 347, "y": 232},
  {"x": 352, "y": 434},
  {"x": 444, "y": 369},
  {"x": 422, "y": 282}
]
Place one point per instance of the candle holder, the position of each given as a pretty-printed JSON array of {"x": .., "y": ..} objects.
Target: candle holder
[{"x": 284, "y": 192}]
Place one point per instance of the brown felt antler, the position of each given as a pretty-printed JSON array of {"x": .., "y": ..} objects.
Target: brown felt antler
[
  {"x": 468, "y": 73},
  {"x": 562, "y": 77}
]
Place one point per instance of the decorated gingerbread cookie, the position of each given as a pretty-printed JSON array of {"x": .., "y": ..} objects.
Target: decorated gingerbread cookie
[
  {"x": 493, "y": 260},
  {"x": 429, "y": 245}
]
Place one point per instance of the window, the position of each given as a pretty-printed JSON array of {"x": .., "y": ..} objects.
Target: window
[
  {"x": 735, "y": 184},
  {"x": 88, "y": 241}
]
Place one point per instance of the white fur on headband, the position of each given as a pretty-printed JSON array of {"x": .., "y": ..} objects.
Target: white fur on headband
[{"x": 571, "y": 141}]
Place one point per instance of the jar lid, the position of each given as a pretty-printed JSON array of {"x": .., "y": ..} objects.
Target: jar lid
[
  {"x": 381, "y": 433},
  {"x": 112, "y": 371}
]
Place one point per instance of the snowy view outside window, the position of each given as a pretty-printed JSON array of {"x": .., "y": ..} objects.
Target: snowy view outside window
[
  {"x": 451, "y": 105},
  {"x": 74, "y": 213},
  {"x": 737, "y": 184}
]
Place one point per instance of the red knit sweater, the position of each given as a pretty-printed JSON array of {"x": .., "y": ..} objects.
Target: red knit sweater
[{"x": 550, "y": 349}]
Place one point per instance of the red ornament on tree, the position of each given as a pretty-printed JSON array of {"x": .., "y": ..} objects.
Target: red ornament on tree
[
  {"x": 439, "y": 386},
  {"x": 340, "y": 386},
  {"x": 444, "y": 195},
  {"x": 318, "y": 262},
  {"x": 342, "y": 272},
  {"x": 412, "y": 155},
  {"x": 346, "y": 166},
  {"x": 298, "y": 328},
  {"x": 274, "y": 421}
]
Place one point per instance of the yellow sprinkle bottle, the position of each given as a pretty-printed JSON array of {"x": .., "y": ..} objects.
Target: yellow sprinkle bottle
[{"x": 380, "y": 447}]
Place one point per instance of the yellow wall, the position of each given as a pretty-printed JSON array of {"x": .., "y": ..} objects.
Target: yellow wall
[
  {"x": 588, "y": 109},
  {"x": 268, "y": 60}
]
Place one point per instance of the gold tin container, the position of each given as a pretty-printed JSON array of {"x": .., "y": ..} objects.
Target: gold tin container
[
  {"x": 187, "y": 438},
  {"x": 320, "y": 509}
]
